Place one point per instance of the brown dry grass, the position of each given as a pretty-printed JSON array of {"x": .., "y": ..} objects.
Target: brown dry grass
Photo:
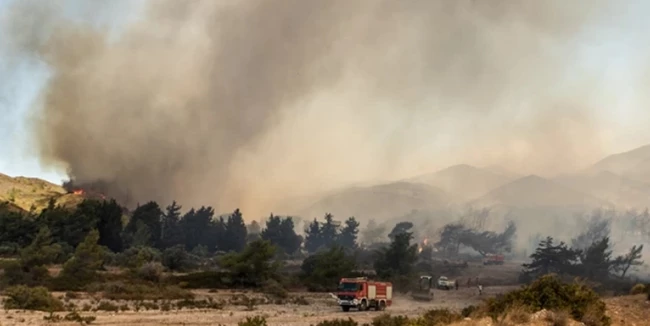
[{"x": 33, "y": 193}]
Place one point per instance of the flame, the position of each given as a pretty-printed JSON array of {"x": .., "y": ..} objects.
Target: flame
[
  {"x": 420, "y": 249},
  {"x": 426, "y": 241},
  {"x": 78, "y": 192}
]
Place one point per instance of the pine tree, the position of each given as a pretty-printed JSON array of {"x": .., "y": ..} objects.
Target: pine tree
[
  {"x": 348, "y": 235},
  {"x": 313, "y": 238},
  {"x": 549, "y": 258},
  {"x": 235, "y": 232}
]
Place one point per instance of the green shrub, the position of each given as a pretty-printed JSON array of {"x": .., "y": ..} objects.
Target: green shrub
[
  {"x": 107, "y": 306},
  {"x": 469, "y": 311},
  {"x": 199, "y": 304},
  {"x": 151, "y": 271},
  {"x": 16, "y": 273},
  {"x": 549, "y": 293},
  {"x": 254, "y": 321},
  {"x": 74, "y": 316},
  {"x": 275, "y": 290},
  {"x": 338, "y": 322},
  {"x": 437, "y": 317},
  {"x": 142, "y": 291},
  {"x": 203, "y": 280},
  {"x": 37, "y": 298},
  {"x": 177, "y": 258},
  {"x": 388, "y": 320},
  {"x": 137, "y": 256},
  {"x": 638, "y": 289}
]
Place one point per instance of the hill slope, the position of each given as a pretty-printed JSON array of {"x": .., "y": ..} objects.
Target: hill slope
[
  {"x": 535, "y": 191},
  {"x": 33, "y": 193},
  {"x": 632, "y": 164},
  {"x": 463, "y": 181},
  {"x": 381, "y": 202},
  {"x": 624, "y": 192}
]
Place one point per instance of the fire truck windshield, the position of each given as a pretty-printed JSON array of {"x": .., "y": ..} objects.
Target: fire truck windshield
[{"x": 349, "y": 287}]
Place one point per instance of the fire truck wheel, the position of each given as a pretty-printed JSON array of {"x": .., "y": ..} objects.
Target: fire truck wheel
[
  {"x": 363, "y": 306},
  {"x": 382, "y": 306},
  {"x": 345, "y": 308}
]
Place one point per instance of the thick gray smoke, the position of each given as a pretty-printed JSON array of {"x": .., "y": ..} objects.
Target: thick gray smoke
[{"x": 245, "y": 103}]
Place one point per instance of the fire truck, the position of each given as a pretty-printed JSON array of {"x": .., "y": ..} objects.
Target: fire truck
[
  {"x": 492, "y": 259},
  {"x": 363, "y": 294}
]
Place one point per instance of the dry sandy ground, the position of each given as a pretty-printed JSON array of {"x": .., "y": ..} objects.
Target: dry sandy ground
[
  {"x": 321, "y": 307},
  {"x": 628, "y": 311}
]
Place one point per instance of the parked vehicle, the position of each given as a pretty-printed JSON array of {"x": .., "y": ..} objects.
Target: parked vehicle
[
  {"x": 446, "y": 284},
  {"x": 424, "y": 289},
  {"x": 363, "y": 294}
]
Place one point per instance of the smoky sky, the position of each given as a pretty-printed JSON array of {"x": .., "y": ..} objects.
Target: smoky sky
[{"x": 247, "y": 103}]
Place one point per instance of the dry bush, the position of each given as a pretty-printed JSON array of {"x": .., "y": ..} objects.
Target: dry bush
[
  {"x": 338, "y": 322},
  {"x": 558, "y": 318},
  {"x": 253, "y": 321},
  {"x": 638, "y": 289},
  {"x": 518, "y": 315},
  {"x": 593, "y": 317}
]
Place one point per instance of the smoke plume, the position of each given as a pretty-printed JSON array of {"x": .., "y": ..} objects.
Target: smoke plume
[{"x": 246, "y": 103}]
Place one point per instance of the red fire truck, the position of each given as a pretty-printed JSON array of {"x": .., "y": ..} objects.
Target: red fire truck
[
  {"x": 362, "y": 294},
  {"x": 492, "y": 259}
]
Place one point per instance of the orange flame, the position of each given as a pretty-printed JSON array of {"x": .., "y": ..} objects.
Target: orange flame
[{"x": 78, "y": 192}]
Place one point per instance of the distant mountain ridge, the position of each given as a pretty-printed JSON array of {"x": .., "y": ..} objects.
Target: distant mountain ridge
[
  {"x": 621, "y": 180},
  {"x": 463, "y": 181}
]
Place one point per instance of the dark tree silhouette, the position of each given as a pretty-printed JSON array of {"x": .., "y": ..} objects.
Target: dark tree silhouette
[
  {"x": 313, "y": 238},
  {"x": 632, "y": 258},
  {"x": 171, "y": 231},
  {"x": 398, "y": 259},
  {"x": 348, "y": 235},
  {"x": 198, "y": 227},
  {"x": 281, "y": 233},
  {"x": 322, "y": 271},
  {"x": 329, "y": 231},
  {"x": 401, "y": 227},
  {"x": 550, "y": 258},
  {"x": 150, "y": 217},
  {"x": 235, "y": 232}
]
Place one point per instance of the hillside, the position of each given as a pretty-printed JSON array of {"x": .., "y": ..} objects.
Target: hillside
[
  {"x": 625, "y": 192},
  {"x": 632, "y": 164},
  {"x": 33, "y": 193},
  {"x": 535, "y": 191},
  {"x": 380, "y": 202},
  {"x": 463, "y": 181}
]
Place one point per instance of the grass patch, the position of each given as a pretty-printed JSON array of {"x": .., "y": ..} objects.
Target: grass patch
[
  {"x": 143, "y": 291},
  {"x": 36, "y": 298}
]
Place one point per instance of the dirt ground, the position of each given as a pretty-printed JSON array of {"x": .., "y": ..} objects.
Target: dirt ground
[
  {"x": 321, "y": 307},
  {"x": 627, "y": 310}
]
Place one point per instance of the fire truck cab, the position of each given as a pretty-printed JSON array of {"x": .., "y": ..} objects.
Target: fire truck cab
[
  {"x": 363, "y": 294},
  {"x": 492, "y": 259}
]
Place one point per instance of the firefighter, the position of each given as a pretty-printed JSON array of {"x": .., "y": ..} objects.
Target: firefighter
[
  {"x": 456, "y": 283},
  {"x": 480, "y": 289}
]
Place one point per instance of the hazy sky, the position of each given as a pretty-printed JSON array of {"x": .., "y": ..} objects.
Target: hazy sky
[{"x": 614, "y": 56}]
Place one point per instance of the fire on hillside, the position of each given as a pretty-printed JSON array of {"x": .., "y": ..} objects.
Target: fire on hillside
[{"x": 89, "y": 191}]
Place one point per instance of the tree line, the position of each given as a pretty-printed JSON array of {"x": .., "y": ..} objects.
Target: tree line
[{"x": 589, "y": 256}]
